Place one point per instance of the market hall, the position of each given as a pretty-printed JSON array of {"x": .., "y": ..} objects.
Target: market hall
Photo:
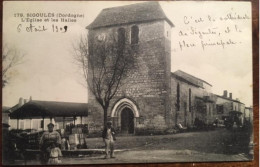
[{"x": 69, "y": 119}]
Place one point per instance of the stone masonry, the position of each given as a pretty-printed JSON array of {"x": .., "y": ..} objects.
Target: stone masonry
[{"x": 148, "y": 84}]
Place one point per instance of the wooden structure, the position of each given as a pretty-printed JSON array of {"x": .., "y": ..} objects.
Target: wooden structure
[{"x": 48, "y": 110}]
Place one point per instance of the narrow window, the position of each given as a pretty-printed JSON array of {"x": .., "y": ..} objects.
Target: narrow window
[
  {"x": 178, "y": 98},
  {"x": 121, "y": 39},
  {"x": 220, "y": 109},
  {"x": 134, "y": 35},
  {"x": 190, "y": 100},
  {"x": 177, "y": 104}
]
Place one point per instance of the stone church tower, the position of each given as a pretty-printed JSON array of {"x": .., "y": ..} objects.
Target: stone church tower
[{"x": 142, "y": 104}]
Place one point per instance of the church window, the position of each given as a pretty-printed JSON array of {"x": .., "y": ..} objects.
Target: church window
[
  {"x": 121, "y": 39},
  {"x": 178, "y": 98},
  {"x": 134, "y": 35},
  {"x": 190, "y": 100}
]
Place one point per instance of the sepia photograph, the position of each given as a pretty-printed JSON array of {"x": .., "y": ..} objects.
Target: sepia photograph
[{"x": 119, "y": 82}]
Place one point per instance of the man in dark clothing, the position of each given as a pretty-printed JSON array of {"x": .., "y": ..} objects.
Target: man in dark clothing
[{"x": 108, "y": 136}]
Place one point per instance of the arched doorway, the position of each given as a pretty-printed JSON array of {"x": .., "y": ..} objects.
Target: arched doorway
[
  {"x": 124, "y": 114},
  {"x": 127, "y": 121}
]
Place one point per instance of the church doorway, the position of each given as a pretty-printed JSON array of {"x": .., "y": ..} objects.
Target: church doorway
[
  {"x": 124, "y": 114},
  {"x": 127, "y": 121}
]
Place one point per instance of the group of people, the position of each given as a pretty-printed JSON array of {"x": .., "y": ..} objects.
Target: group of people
[{"x": 50, "y": 144}]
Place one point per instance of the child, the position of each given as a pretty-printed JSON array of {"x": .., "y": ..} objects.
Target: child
[
  {"x": 109, "y": 139},
  {"x": 55, "y": 154}
]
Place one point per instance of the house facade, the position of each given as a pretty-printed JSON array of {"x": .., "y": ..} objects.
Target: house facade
[
  {"x": 225, "y": 104},
  {"x": 249, "y": 114}
]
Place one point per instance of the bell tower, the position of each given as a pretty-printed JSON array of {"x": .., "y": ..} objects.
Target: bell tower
[{"x": 146, "y": 28}]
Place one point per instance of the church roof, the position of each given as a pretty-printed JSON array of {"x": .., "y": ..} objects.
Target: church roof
[
  {"x": 39, "y": 109},
  {"x": 189, "y": 78},
  {"x": 140, "y": 12}
]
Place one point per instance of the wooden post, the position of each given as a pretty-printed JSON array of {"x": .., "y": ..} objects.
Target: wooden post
[
  {"x": 81, "y": 120},
  {"x": 43, "y": 124},
  {"x": 17, "y": 123},
  {"x": 64, "y": 123},
  {"x": 31, "y": 123}
]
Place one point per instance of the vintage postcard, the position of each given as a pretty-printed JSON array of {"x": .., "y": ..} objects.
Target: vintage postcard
[{"x": 126, "y": 82}]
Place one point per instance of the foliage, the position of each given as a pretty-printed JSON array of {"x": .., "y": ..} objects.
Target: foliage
[
  {"x": 105, "y": 62},
  {"x": 11, "y": 57}
]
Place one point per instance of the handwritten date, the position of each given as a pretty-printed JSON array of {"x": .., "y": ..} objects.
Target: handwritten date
[{"x": 41, "y": 28}]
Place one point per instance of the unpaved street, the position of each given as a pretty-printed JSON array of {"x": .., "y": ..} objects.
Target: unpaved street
[{"x": 217, "y": 145}]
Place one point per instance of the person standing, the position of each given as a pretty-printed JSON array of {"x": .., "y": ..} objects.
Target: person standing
[
  {"x": 55, "y": 154},
  {"x": 109, "y": 138},
  {"x": 46, "y": 141},
  {"x": 216, "y": 122}
]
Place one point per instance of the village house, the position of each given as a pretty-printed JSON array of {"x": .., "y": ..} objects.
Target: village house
[
  {"x": 7, "y": 110},
  {"x": 249, "y": 114},
  {"x": 5, "y": 115},
  {"x": 227, "y": 105}
]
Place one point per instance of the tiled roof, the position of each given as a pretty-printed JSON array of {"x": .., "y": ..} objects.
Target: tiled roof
[
  {"x": 39, "y": 109},
  {"x": 189, "y": 78},
  {"x": 229, "y": 99},
  {"x": 140, "y": 12}
]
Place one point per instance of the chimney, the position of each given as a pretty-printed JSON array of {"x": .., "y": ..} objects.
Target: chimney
[
  {"x": 237, "y": 99},
  {"x": 230, "y": 95},
  {"x": 30, "y": 98},
  {"x": 225, "y": 93},
  {"x": 20, "y": 101}
]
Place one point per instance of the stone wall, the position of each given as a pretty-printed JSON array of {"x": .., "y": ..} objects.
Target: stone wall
[{"x": 190, "y": 110}]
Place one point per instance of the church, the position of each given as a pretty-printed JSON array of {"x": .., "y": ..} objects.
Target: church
[{"x": 153, "y": 98}]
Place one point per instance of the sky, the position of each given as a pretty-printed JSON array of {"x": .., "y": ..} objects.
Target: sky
[{"x": 49, "y": 73}]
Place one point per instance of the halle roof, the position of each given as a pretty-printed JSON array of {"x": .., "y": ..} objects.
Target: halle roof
[
  {"x": 39, "y": 109},
  {"x": 140, "y": 12},
  {"x": 189, "y": 78}
]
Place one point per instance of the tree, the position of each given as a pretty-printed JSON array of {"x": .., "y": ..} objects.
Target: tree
[
  {"x": 11, "y": 57},
  {"x": 106, "y": 61}
]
